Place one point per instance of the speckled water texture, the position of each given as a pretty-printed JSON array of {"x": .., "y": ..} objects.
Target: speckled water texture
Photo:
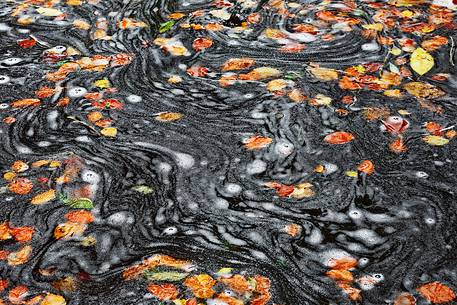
[{"x": 228, "y": 152}]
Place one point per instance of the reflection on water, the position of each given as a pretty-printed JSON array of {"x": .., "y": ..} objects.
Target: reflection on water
[{"x": 228, "y": 152}]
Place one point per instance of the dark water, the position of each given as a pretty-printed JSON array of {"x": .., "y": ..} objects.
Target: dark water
[{"x": 136, "y": 128}]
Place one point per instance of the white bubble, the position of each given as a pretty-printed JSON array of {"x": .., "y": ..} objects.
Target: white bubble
[
  {"x": 355, "y": 214},
  {"x": 4, "y": 106},
  {"x": 77, "y": 92},
  {"x": 4, "y": 79},
  {"x": 57, "y": 49},
  {"x": 421, "y": 174},
  {"x": 90, "y": 177},
  {"x": 233, "y": 188},
  {"x": 134, "y": 98},
  {"x": 170, "y": 230},
  {"x": 370, "y": 47},
  {"x": 430, "y": 221},
  {"x": 256, "y": 167},
  {"x": 363, "y": 261},
  {"x": 284, "y": 148},
  {"x": 11, "y": 61}
]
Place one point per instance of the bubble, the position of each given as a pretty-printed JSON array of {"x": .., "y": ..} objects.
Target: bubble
[
  {"x": 170, "y": 231},
  {"x": 378, "y": 277},
  {"x": 421, "y": 174},
  {"x": 233, "y": 188},
  {"x": 430, "y": 221},
  {"x": 11, "y": 61},
  {"x": 57, "y": 49},
  {"x": 90, "y": 177},
  {"x": 284, "y": 148},
  {"x": 77, "y": 92},
  {"x": 134, "y": 98},
  {"x": 4, "y": 106},
  {"x": 355, "y": 214},
  {"x": 4, "y": 79},
  {"x": 256, "y": 167},
  {"x": 363, "y": 261}
]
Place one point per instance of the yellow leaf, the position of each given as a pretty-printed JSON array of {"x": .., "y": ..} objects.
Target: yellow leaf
[
  {"x": 49, "y": 11},
  {"x": 435, "y": 140},
  {"x": 374, "y": 26},
  {"x": 421, "y": 61},
  {"x": 109, "y": 132},
  {"x": 168, "y": 116},
  {"x": 351, "y": 174},
  {"x": 81, "y": 24},
  {"x": 53, "y": 299},
  {"x": 40, "y": 163},
  {"x": 20, "y": 257},
  {"x": 277, "y": 84},
  {"x": 324, "y": 73},
  {"x": 393, "y": 93},
  {"x": 102, "y": 83},
  {"x": 55, "y": 163},
  {"x": 74, "y": 2},
  {"x": 395, "y": 51},
  {"x": 321, "y": 100},
  {"x": 69, "y": 229},
  {"x": 43, "y": 197},
  {"x": 8, "y": 176}
]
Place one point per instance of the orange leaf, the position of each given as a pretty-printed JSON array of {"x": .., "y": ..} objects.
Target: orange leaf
[
  {"x": 3, "y": 284},
  {"x": 28, "y": 102},
  {"x": 436, "y": 292},
  {"x": 257, "y": 142},
  {"x": 238, "y": 64},
  {"x": 20, "y": 186},
  {"x": 345, "y": 263},
  {"x": 202, "y": 43},
  {"x": 22, "y": 234},
  {"x": 164, "y": 291},
  {"x": 397, "y": 146},
  {"x": 237, "y": 283},
  {"x": 17, "y": 294},
  {"x": 201, "y": 285},
  {"x": 405, "y": 298},
  {"x": 80, "y": 216},
  {"x": 19, "y": 257},
  {"x": 340, "y": 275},
  {"x": 339, "y": 137},
  {"x": 366, "y": 167}
]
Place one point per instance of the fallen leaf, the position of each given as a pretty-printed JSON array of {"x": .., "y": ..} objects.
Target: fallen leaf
[
  {"x": 80, "y": 216},
  {"x": 168, "y": 116},
  {"x": 324, "y": 73},
  {"x": 164, "y": 291},
  {"x": 49, "y": 11},
  {"x": 202, "y": 43},
  {"x": 423, "y": 90},
  {"x": 366, "y": 167},
  {"x": 43, "y": 197},
  {"x": 164, "y": 276},
  {"x": 109, "y": 132},
  {"x": 238, "y": 64},
  {"x": 257, "y": 142},
  {"x": 20, "y": 186},
  {"x": 69, "y": 229},
  {"x": 405, "y": 298},
  {"x": 435, "y": 140},
  {"x": 53, "y": 299},
  {"x": 144, "y": 189},
  {"x": 421, "y": 61},
  {"x": 166, "y": 26},
  {"x": 28, "y": 102},
  {"x": 436, "y": 292},
  {"x": 339, "y": 137},
  {"x": 201, "y": 285},
  {"x": 20, "y": 257}
]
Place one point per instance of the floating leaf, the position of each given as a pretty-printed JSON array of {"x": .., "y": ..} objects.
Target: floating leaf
[
  {"x": 257, "y": 142},
  {"x": 164, "y": 276},
  {"x": 102, "y": 83},
  {"x": 339, "y": 137},
  {"x": 49, "y": 11},
  {"x": 69, "y": 229},
  {"x": 43, "y": 197},
  {"x": 324, "y": 73},
  {"x": 435, "y": 140},
  {"x": 166, "y": 26},
  {"x": 164, "y": 292},
  {"x": 109, "y": 132},
  {"x": 53, "y": 299},
  {"x": 168, "y": 116},
  {"x": 143, "y": 189},
  {"x": 238, "y": 64},
  {"x": 423, "y": 90},
  {"x": 81, "y": 203},
  {"x": 436, "y": 292},
  {"x": 421, "y": 61}
]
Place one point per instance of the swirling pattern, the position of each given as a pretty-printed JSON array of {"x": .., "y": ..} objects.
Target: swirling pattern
[{"x": 324, "y": 165}]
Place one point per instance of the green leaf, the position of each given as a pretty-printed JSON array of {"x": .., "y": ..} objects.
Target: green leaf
[
  {"x": 81, "y": 203},
  {"x": 143, "y": 189},
  {"x": 166, "y": 26},
  {"x": 164, "y": 276},
  {"x": 292, "y": 75}
]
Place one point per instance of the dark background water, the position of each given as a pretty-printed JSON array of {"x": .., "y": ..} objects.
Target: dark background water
[{"x": 209, "y": 203}]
